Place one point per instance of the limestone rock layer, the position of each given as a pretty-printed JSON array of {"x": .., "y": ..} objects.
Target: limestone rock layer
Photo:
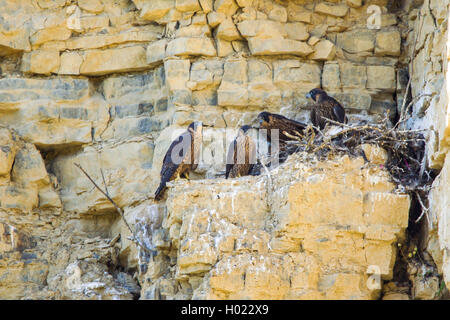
[{"x": 109, "y": 84}]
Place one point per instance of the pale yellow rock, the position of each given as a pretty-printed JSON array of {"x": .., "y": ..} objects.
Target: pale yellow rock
[
  {"x": 297, "y": 13},
  {"x": 244, "y": 3},
  {"x": 229, "y": 282},
  {"x": 200, "y": 79},
  {"x": 356, "y": 41},
  {"x": 228, "y": 7},
  {"x": 100, "y": 41},
  {"x": 70, "y": 63},
  {"x": 381, "y": 77},
  {"x": 94, "y": 22},
  {"x": 290, "y": 72},
  {"x": 187, "y": 5},
  {"x": 15, "y": 41},
  {"x": 191, "y": 46},
  {"x": 278, "y": 13},
  {"x": 232, "y": 95},
  {"x": 48, "y": 198},
  {"x": 261, "y": 15},
  {"x": 207, "y": 5},
  {"x": 94, "y": 6},
  {"x": 19, "y": 198},
  {"x": 233, "y": 89},
  {"x": 354, "y": 3},
  {"x": 323, "y": 50},
  {"x": 51, "y": 34},
  {"x": 440, "y": 215},
  {"x": 235, "y": 71},
  {"x": 337, "y": 10},
  {"x": 396, "y": 296},
  {"x": 375, "y": 154},
  {"x": 156, "y": 51},
  {"x": 51, "y": 4},
  {"x": 283, "y": 236},
  {"x": 177, "y": 73},
  {"x": 227, "y": 31},
  {"x": 115, "y": 159},
  {"x": 29, "y": 168},
  {"x": 388, "y": 20},
  {"x": 240, "y": 46},
  {"x": 265, "y": 94},
  {"x": 353, "y": 76},
  {"x": 297, "y": 31},
  {"x": 245, "y": 247},
  {"x": 313, "y": 40},
  {"x": 53, "y": 125},
  {"x": 193, "y": 31},
  {"x": 224, "y": 48},
  {"x": 278, "y": 46},
  {"x": 389, "y": 206},
  {"x": 154, "y": 10},
  {"x": 199, "y": 19},
  {"x": 262, "y": 29},
  {"x": 41, "y": 62},
  {"x": 215, "y": 18},
  {"x": 380, "y": 257},
  {"x": 344, "y": 284},
  {"x": 98, "y": 62},
  {"x": 331, "y": 76},
  {"x": 355, "y": 101},
  {"x": 388, "y": 43},
  {"x": 7, "y": 152}
]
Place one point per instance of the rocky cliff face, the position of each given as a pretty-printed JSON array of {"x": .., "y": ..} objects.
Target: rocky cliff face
[
  {"x": 108, "y": 84},
  {"x": 314, "y": 230}
]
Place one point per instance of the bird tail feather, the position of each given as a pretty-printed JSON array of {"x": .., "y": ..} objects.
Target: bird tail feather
[{"x": 159, "y": 191}]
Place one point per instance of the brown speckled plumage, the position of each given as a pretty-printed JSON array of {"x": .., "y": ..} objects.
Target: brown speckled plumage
[
  {"x": 241, "y": 155},
  {"x": 188, "y": 146},
  {"x": 272, "y": 121},
  {"x": 325, "y": 107}
]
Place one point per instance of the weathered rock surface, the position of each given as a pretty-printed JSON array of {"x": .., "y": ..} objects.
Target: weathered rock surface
[
  {"x": 244, "y": 241},
  {"x": 108, "y": 83}
]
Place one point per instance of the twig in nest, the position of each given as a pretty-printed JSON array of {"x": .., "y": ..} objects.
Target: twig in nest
[
  {"x": 403, "y": 117},
  {"x": 337, "y": 123},
  {"x": 402, "y": 109},
  {"x": 118, "y": 209},
  {"x": 311, "y": 139},
  {"x": 424, "y": 208},
  {"x": 292, "y": 137}
]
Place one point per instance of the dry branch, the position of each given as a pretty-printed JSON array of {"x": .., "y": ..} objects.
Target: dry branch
[{"x": 118, "y": 209}]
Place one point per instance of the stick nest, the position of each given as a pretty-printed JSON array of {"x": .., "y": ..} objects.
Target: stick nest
[{"x": 406, "y": 161}]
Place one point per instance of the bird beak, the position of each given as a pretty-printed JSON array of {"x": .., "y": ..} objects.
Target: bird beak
[
  {"x": 308, "y": 95},
  {"x": 207, "y": 126},
  {"x": 254, "y": 122}
]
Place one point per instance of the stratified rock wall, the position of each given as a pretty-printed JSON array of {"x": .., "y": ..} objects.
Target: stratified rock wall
[
  {"x": 329, "y": 231},
  {"x": 428, "y": 49},
  {"x": 109, "y": 84}
]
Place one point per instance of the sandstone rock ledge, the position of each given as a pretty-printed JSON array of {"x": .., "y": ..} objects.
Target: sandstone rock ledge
[{"x": 314, "y": 230}]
